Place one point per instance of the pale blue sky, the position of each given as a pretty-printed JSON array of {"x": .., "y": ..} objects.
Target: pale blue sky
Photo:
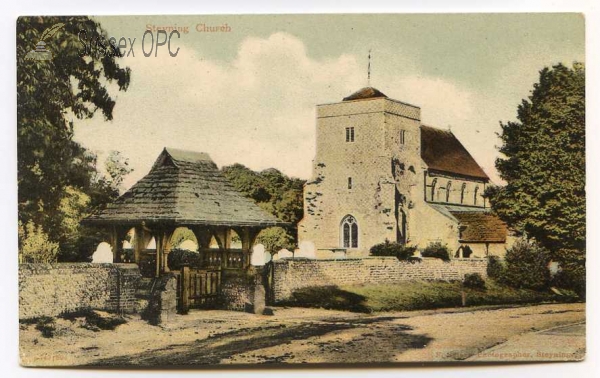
[{"x": 248, "y": 95}]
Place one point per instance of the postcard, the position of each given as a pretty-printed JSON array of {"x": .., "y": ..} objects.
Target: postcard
[{"x": 301, "y": 189}]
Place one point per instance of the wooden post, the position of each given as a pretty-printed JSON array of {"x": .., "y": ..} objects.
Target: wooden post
[
  {"x": 159, "y": 243},
  {"x": 168, "y": 233},
  {"x": 185, "y": 289}
]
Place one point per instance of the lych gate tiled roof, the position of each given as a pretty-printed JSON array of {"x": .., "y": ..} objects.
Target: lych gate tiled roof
[
  {"x": 184, "y": 187},
  {"x": 441, "y": 151},
  {"x": 480, "y": 227}
]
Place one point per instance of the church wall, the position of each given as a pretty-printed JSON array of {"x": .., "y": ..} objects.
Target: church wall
[
  {"x": 456, "y": 183},
  {"x": 368, "y": 161}
]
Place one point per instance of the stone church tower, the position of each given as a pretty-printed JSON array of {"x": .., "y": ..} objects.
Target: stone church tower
[{"x": 371, "y": 181}]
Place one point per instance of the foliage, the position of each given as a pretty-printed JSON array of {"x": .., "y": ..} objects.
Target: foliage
[
  {"x": 275, "y": 239},
  {"x": 527, "y": 266},
  {"x": 572, "y": 272},
  {"x": 474, "y": 281},
  {"x": 117, "y": 167},
  {"x": 273, "y": 191},
  {"x": 34, "y": 245},
  {"x": 178, "y": 257},
  {"x": 437, "y": 250},
  {"x": 495, "y": 268},
  {"x": 54, "y": 172},
  {"x": 417, "y": 295},
  {"x": 544, "y": 163},
  {"x": 387, "y": 248},
  {"x": 182, "y": 234}
]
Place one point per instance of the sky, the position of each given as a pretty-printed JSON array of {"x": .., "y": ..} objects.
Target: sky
[{"x": 248, "y": 95}]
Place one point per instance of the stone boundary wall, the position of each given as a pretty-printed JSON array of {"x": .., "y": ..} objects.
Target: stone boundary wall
[
  {"x": 290, "y": 275},
  {"x": 244, "y": 290},
  {"x": 51, "y": 289}
]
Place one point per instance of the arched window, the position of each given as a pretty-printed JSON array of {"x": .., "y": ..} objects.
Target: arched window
[
  {"x": 475, "y": 196},
  {"x": 463, "y": 188},
  {"x": 349, "y": 232},
  {"x": 433, "y": 184},
  {"x": 448, "y": 188}
]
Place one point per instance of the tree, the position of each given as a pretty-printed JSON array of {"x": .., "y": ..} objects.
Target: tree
[
  {"x": 273, "y": 191},
  {"x": 275, "y": 239},
  {"x": 544, "y": 166},
  {"x": 544, "y": 162},
  {"x": 51, "y": 167}
]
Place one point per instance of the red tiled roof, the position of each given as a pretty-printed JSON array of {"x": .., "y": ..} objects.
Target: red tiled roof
[
  {"x": 480, "y": 227},
  {"x": 441, "y": 151}
]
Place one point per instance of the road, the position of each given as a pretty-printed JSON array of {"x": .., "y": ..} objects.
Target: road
[{"x": 293, "y": 335}]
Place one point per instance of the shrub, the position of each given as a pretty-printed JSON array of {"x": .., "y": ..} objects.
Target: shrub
[
  {"x": 387, "y": 248},
  {"x": 178, "y": 257},
  {"x": 35, "y": 245},
  {"x": 474, "y": 281},
  {"x": 526, "y": 266},
  {"x": 437, "y": 250},
  {"x": 495, "y": 268}
]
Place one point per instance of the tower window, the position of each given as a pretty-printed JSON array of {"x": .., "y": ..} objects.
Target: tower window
[
  {"x": 349, "y": 232},
  {"x": 349, "y": 182},
  {"x": 349, "y": 134},
  {"x": 402, "y": 136},
  {"x": 462, "y": 192},
  {"x": 448, "y": 189},
  {"x": 475, "y": 195}
]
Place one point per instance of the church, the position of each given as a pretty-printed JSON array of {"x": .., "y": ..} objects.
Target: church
[{"x": 380, "y": 174}]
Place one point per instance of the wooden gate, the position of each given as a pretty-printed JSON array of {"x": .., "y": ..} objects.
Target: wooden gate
[{"x": 199, "y": 288}]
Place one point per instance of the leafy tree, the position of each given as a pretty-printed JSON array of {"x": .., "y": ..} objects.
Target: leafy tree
[
  {"x": 55, "y": 172},
  {"x": 544, "y": 162},
  {"x": 273, "y": 191},
  {"x": 117, "y": 167},
  {"x": 275, "y": 239}
]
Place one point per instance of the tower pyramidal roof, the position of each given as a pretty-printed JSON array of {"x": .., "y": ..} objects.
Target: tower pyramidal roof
[{"x": 364, "y": 94}]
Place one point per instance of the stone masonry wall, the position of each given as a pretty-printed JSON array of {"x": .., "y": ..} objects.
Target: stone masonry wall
[
  {"x": 290, "y": 275},
  {"x": 243, "y": 290},
  {"x": 51, "y": 289}
]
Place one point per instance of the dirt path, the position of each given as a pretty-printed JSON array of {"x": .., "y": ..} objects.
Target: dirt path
[{"x": 295, "y": 335}]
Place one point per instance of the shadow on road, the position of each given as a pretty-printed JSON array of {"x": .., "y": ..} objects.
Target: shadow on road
[{"x": 392, "y": 339}]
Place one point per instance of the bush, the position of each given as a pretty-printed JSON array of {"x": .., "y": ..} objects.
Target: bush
[
  {"x": 35, "y": 245},
  {"x": 474, "y": 281},
  {"x": 495, "y": 268},
  {"x": 387, "y": 248},
  {"x": 437, "y": 250},
  {"x": 178, "y": 257},
  {"x": 527, "y": 266}
]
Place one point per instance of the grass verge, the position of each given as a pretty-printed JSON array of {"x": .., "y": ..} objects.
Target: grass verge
[{"x": 418, "y": 295}]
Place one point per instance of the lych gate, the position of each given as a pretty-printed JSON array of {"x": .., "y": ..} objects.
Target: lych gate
[{"x": 184, "y": 189}]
